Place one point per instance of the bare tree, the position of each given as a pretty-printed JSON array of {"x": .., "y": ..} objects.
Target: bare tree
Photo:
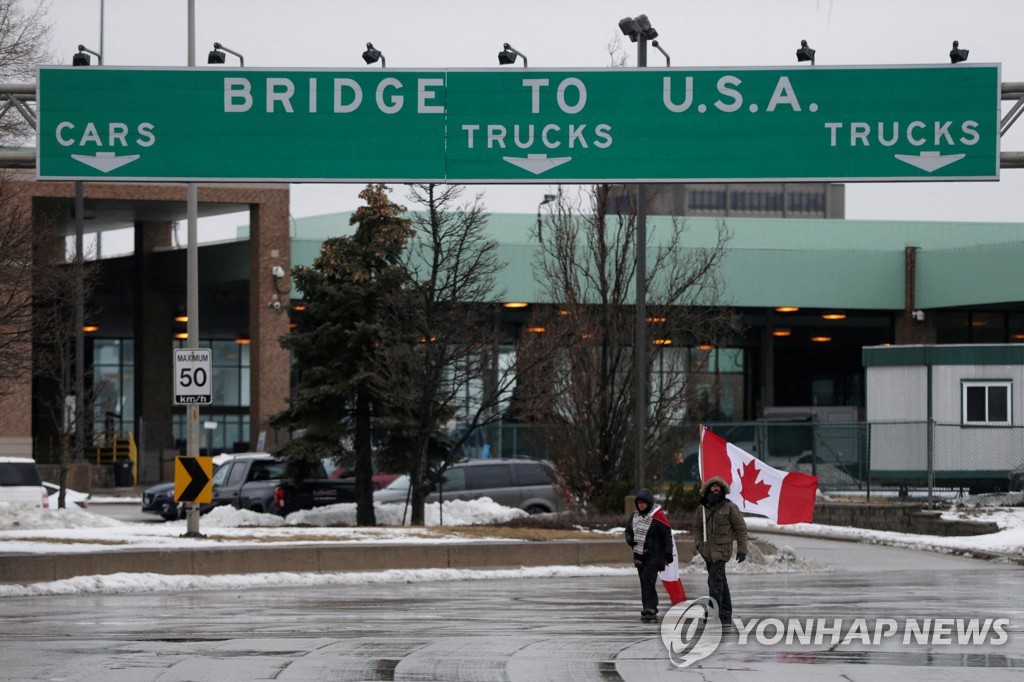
[
  {"x": 582, "y": 384},
  {"x": 24, "y": 34},
  {"x": 55, "y": 288},
  {"x": 24, "y": 40},
  {"x": 16, "y": 269},
  {"x": 449, "y": 312}
]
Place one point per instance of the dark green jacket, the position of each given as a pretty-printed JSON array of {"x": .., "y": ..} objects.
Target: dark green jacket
[{"x": 724, "y": 525}]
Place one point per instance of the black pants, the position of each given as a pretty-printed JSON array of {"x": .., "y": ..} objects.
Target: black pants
[
  {"x": 718, "y": 589},
  {"x": 648, "y": 571}
]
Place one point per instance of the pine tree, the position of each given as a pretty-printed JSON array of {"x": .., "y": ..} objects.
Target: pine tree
[{"x": 337, "y": 336}]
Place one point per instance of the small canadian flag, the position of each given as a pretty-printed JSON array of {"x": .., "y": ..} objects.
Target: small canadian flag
[{"x": 756, "y": 488}]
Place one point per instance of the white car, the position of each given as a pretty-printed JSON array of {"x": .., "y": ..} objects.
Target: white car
[
  {"x": 72, "y": 498},
  {"x": 20, "y": 482}
]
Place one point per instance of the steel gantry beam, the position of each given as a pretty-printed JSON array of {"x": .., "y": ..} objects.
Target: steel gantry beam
[
  {"x": 1015, "y": 92},
  {"x": 15, "y": 97}
]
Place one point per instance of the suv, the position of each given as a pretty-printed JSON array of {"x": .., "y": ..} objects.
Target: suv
[
  {"x": 20, "y": 482},
  {"x": 526, "y": 484}
]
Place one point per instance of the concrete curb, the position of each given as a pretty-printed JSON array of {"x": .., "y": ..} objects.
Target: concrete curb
[{"x": 318, "y": 558}]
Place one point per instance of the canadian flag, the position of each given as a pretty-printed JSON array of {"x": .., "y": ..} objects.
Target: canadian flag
[
  {"x": 756, "y": 488},
  {"x": 670, "y": 576}
]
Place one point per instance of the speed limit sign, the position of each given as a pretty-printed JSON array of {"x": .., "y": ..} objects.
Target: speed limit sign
[{"x": 193, "y": 376}]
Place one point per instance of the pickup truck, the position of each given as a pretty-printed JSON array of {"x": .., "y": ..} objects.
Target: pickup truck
[{"x": 256, "y": 481}]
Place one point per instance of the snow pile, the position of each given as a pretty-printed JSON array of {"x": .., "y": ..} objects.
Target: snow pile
[
  {"x": 480, "y": 512},
  {"x": 126, "y": 583},
  {"x": 17, "y": 516},
  {"x": 33, "y": 530},
  {"x": 1008, "y": 541},
  {"x": 229, "y": 517}
]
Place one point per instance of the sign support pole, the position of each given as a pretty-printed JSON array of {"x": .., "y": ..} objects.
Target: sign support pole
[
  {"x": 192, "y": 290},
  {"x": 79, "y": 419},
  {"x": 640, "y": 341}
]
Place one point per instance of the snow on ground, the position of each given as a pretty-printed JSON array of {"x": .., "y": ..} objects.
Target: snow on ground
[
  {"x": 34, "y": 530},
  {"x": 1008, "y": 541},
  {"x": 123, "y": 583},
  {"x": 28, "y": 530}
]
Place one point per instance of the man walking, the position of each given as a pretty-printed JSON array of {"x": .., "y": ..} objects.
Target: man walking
[
  {"x": 717, "y": 525},
  {"x": 649, "y": 534}
]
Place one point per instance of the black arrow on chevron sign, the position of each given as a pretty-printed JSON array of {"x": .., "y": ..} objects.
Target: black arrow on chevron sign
[{"x": 198, "y": 482}]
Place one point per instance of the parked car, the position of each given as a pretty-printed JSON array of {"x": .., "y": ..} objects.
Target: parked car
[
  {"x": 379, "y": 480},
  {"x": 159, "y": 499},
  {"x": 526, "y": 484},
  {"x": 72, "y": 498},
  {"x": 256, "y": 481},
  {"x": 20, "y": 482}
]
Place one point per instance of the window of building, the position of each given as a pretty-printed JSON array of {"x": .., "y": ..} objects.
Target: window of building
[
  {"x": 476, "y": 373},
  {"x": 812, "y": 203},
  {"x": 988, "y": 327},
  {"x": 231, "y": 433},
  {"x": 986, "y": 402},
  {"x": 113, "y": 380},
  {"x": 952, "y": 326},
  {"x": 706, "y": 200},
  {"x": 715, "y": 374},
  {"x": 752, "y": 201}
]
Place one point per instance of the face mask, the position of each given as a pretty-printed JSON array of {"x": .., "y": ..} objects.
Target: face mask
[{"x": 714, "y": 498}]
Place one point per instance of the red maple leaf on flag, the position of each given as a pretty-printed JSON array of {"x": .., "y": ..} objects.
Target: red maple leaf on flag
[{"x": 753, "y": 490}]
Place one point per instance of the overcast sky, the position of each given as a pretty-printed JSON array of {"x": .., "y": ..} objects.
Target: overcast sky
[{"x": 577, "y": 33}]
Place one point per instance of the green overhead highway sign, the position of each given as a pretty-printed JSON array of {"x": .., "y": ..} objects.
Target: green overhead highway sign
[{"x": 520, "y": 126}]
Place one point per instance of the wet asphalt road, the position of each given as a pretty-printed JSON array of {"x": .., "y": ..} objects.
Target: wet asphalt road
[{"x": 540, "y": 629}]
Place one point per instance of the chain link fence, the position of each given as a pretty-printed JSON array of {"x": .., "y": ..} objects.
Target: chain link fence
[
  {"x": 856, "y": 460},
  {"x": 912, "y": 460},
  {"x": 981, "y": 465}
]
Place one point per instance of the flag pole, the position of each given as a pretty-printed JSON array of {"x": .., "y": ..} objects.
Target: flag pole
[{"x": 700, "y": 469}]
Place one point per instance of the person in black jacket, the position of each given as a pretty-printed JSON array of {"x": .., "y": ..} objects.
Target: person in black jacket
[{"x": 650, "y": 536}]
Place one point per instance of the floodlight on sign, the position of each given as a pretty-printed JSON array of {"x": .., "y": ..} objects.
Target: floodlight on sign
[
  {"x": 629, "y": 29},
  {"x": 957, "y": 55},
  {"x": 647, "y": 32},
  {"x": 508, "y": 56},
  {"x": 217, "y": 55},
  {"x": 805, "y": 53},
  {"x": 372, "y": 55},
  {"x": 81, "y": 58}
]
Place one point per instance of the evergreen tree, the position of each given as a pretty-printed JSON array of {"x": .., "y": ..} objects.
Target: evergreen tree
[{"x": 336, "y": 341}]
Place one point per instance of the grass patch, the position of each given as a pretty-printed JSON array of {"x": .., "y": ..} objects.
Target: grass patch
[{"x": 68, "y": 541}]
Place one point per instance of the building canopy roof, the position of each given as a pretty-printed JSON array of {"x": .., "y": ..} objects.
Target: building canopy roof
[{"x": 770, "y": 262}]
